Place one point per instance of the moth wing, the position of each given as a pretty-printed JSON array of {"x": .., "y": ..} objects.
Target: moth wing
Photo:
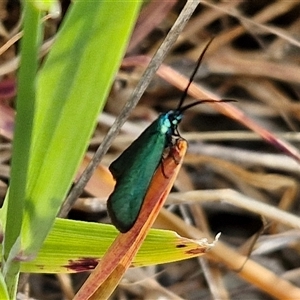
[
  {"x": 136, "y": 151},
  {"x": 133, "y": 171}
]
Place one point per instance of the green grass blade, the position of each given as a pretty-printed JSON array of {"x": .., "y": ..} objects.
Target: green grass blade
[
  {"x": 26, "y": 101},
  {"x": 75, "y": 246},
  {"x": 72, "y": 88}
]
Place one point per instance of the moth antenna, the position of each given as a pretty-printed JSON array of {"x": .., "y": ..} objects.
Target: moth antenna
[
  {"x": 184, "y": 108},
  {"x": 184, "y": 94}
]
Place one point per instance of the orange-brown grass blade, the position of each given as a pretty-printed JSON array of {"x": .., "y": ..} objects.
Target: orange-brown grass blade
[{"x": 119, "y": 256}]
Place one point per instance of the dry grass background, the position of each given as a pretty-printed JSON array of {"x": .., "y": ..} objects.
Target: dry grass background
[{"x": 241, "y": 185}]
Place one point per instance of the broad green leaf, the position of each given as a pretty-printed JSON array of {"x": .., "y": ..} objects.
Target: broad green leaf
[
  {"x": 72, "y": 88},
  {"x": 76, "y": 246}
]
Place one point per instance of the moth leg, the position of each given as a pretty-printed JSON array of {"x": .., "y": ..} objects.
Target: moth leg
[
  {"x": 171, "y": 151},
  {"x": 162, "y": 168}
]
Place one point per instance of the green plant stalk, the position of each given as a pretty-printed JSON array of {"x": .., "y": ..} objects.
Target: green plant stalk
[
  {"x": 3, "y": 290},
  {"x": 21, "y": 144}
]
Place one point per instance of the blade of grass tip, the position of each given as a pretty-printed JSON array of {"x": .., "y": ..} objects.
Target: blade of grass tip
[
  {"x": 119, "y": 256},
  {"x": 135, "y": 97},
  {"x": 26, "y": 100},
  {"x": 269, "y": 282}
]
